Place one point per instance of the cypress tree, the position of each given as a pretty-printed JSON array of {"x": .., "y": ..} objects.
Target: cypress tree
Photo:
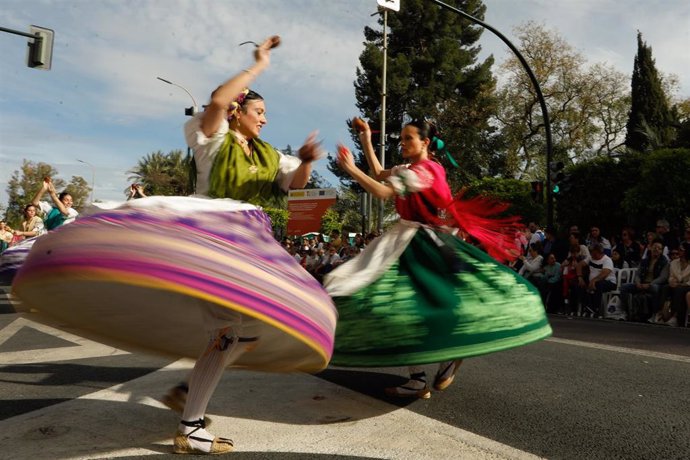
[{"x": 650, "y": 121}]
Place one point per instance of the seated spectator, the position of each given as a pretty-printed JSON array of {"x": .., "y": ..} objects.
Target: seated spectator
[
  {"x": 677, "y": 289},
  {"x": 359, "y": 241},
  {"x": 329, "y": 261},
  {"x": 320, "y": 243},
  {"x": 344, "y": 248},
  {"x": 531, "y": 264},
  {"x": 294, "y": 252},
  {"x": 553, "y": 244},
  {"x": 32, "y": 225},
  {"x": 521, "y": 249},
  {"x": 663, "y": 229},
  {"x": 601, "y": 278},
  {"x": 652, "y": 237},
  {"x": 551, "y": 288},
  {"x": 60, "y": 212},
  {"x": 618, "y": 260},
  {"x": 536, "y": 234},
  {"x": 335, "y": 240},
  {"x": 649, "y": 279},
  {"x": 311, "y": 260},
  {"x": 570, "y": 268},
  {"x": 629, "y": 248},
  {"x": 6, "y": 236},
  {"x": 574, "y": 238},
  {"x": 595, "y": 237},
  {"x": 305, "y": 246}
]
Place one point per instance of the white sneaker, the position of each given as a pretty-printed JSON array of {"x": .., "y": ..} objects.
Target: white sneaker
[
  {"x": 653, "y": 319},
  {"x": 673, "y": 322}
]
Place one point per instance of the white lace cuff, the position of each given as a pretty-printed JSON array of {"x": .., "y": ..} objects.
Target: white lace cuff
[{"x": 405, "y": 180}]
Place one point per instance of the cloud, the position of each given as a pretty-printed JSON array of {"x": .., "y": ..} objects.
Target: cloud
[{"x": 102, "y": 102}]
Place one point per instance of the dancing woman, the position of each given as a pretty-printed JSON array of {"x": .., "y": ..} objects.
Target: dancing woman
[
  {"x": 193, "y": 276},
  {"x": 231, "y": 161},
  {"x": 420, "y": 294}
]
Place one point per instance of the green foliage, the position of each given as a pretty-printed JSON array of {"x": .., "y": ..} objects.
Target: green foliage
[
  {"x": 597, "y": 193},
  {"x": 660, "y": 188},
  {"x": 279, "y": 220},
  {"x": 348, "y": 208},
  {"x": 330, "y": 221},
  {"x": 25, "y": 182},
  {"x": 512, "y": 191},
  {"x": 650, "y": 121},
  {"x": 634, "y": 190},
  {"x": 80, "y": 190},
  {"x": 162, "y": 174}
]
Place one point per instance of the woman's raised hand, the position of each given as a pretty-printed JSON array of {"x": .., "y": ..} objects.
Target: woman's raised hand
[
  {"x": 361, "y": 126},
  {"x": 345, "y": 159},
  {"x": 262, "y": 53},
  {"x": 311, "y": 150}
]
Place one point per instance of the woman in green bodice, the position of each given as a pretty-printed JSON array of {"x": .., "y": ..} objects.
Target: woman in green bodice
[{"x": 231, "y": 161}]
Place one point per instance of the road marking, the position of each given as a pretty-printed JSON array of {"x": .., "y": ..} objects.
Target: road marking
[
  {"x": 83, "y": 348},
  {"x": 630, "y": 351}
]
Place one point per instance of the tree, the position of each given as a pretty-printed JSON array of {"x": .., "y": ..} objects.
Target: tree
[
  {"x": 586, "y": 105},
  {"x": 660, "y": 187},
  {"x": 597, "y": 193},
  {"x": 26, "y": 181},
  {"x": 681, "y": 112},
  {"x": 432, "y": 73},
  {"x": 162, "y": 174},
  {"x": 316, "y": 180},
  {"x": 513, "y": 191},
  {"x": 650, "y": 120}
]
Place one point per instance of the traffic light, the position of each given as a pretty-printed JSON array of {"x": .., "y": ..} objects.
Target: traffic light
[
  {"x": 537, "y": 192},
  {"x": 557, "y": 176},
  {"x": 40, "y": 50}
]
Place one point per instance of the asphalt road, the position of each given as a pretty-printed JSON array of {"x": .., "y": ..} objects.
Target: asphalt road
[{"x": 597, "y": 389}]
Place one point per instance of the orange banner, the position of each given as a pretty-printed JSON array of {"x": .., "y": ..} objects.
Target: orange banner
[{"x": 306, "y": 208}]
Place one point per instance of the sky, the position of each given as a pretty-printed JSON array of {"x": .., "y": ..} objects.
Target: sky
[{"x": 102, "y": 103}]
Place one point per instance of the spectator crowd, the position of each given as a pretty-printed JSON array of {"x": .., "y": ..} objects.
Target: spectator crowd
[{"x": 621, "y": 277}]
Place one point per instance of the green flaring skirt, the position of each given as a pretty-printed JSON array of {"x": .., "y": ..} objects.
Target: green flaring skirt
[{"x": 418, "y": 295}]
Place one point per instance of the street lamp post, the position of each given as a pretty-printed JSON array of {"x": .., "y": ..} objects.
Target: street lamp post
[
  {"x": 194, "y": 108},
  {"x": 93, "y": 176},
  {"x": 190, "y": 112},
  {"x": 540, "y": 96}
]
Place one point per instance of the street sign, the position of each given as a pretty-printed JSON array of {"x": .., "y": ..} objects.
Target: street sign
[{"x": 389, "y": 4}]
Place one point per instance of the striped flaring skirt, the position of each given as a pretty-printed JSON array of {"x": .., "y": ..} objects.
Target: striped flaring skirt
[{"x": 159, "y": 273}]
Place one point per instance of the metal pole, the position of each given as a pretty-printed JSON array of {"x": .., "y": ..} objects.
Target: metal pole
[
  {"x": 23, "y": 34},
  {"x": 193, "y": 112},
  {"x": 540, "y": 96},
  {"x": 194, "y": 107},
  {"x": 93, "y": 176},
  {"x": 382, "y": 154}
]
